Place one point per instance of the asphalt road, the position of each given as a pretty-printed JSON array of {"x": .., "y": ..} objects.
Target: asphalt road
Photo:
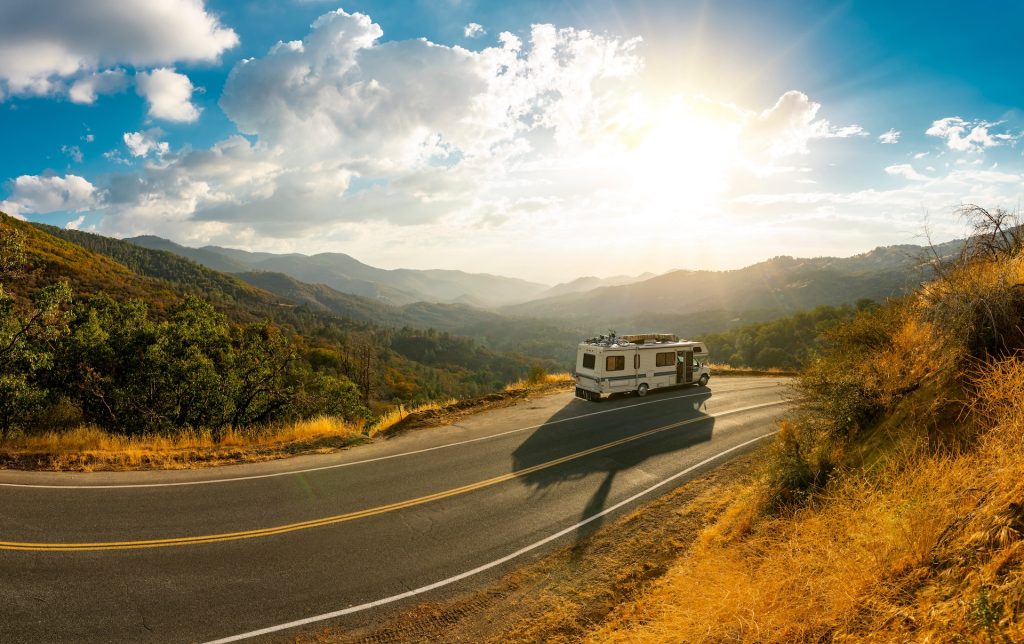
[{"x": 200, "y": 555}]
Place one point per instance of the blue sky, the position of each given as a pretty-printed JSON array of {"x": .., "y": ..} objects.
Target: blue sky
[{"x": 550, "y": 140}]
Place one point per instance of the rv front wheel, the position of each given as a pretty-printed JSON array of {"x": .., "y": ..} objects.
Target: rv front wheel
[
  {"x": 642, "y": 390},
  {"x": 703, "y": 380}
]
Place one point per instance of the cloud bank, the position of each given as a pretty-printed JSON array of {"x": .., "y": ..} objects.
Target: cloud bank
[{"x": 45, "y": 45}]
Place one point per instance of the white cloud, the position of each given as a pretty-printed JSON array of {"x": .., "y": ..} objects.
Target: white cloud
[
  {"x": 73, "y": 151},
  {"x": 352, "y": 138},
  {"x": 968, "y": 136},
  {"x": 439, "y": 124},
  {"x": 474, "y": 30},
  {"x": 87, "y": 88},
  {"x": 169, "y": 95},
  {"x": 114, "y": 156},
  {"x": 140, "y": 144},
  {"x": 42, "y": 194},
  {"x": 889, "y": 137},
  {"x": 883, "y": 216},
  {"x": 396, "y": 105},
  {"x": 46, "y": 43},
  {"x": 177, "y": 193},
  {"x": 787, "y": 127},
  {"x": 75, "y": 223},
  {"x": 905, "y": 170}
]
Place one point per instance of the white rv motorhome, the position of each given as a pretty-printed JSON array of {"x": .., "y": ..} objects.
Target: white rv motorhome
[{"x": 638, "y": 363}]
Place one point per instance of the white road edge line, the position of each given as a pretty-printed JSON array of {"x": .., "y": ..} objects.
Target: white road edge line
[
  {"x": 86, "y": 486},
  {"x": 486, "y": 566}
]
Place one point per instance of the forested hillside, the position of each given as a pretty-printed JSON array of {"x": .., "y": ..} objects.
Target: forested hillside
[
  {"x": 785, "y": 343},
  {"x": 306, "y": 307},
  {"x": 129, "y": 339}
]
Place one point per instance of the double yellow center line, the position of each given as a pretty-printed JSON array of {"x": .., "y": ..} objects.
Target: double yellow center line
[{"x": 359, "y": 514}]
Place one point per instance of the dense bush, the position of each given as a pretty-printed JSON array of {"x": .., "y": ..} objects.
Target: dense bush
[
  {"x": 968, "y": 317},
  {"x": 786, "y": 343},
  {"x": 111, "y": 364}
]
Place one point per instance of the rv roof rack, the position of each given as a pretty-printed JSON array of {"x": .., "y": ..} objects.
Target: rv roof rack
[
  {"x": 641, "y": 338},
  {"x": 637, "y": 338}
]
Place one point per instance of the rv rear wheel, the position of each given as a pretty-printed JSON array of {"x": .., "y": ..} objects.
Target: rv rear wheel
[
  {"x": 642, "y": 390},
  {"x": 703, "y": 380}
]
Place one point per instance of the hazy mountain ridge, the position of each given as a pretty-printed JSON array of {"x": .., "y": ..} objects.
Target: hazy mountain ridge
[
  {"x": 424, "y": 315},
  {"x": 539, "y": 338},
  {"x": 346, "y": 274},
  {"x": 590, "y": 282},
  {"x": 782, "y": 285},
  {"x": 772, "y": 288},
  {"x": 690, "y": 303}
]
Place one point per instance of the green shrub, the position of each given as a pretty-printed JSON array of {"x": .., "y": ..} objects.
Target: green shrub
[{"x": 537, "y": 375}]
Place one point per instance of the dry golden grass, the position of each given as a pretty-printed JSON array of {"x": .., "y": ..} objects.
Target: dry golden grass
[
  {"x": 435, "y": 413},
  {"x": 804, "y": 576},
  {"x": 90, "y": 448},
  {"x": 541, "y": 382},
  {"x": 723, "y": 369},
  {"x": 396, "y": 415}
]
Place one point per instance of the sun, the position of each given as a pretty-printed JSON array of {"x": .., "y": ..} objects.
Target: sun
[{"x": 679, "y": 160}]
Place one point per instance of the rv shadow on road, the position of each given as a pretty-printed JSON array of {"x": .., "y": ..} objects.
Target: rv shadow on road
[{"x": 593, "y": 475}]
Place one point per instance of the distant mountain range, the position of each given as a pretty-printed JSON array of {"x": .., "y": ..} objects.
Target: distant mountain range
[
  {"x": 772, "y": 288},
  {"x": 589, "y": 283},
  {"x": 348, "y": 275},
  {"x": 683, "y": 301}
]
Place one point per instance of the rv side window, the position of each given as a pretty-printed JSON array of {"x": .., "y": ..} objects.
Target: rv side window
[
  {"x": 615, "y": 363},
  {"x": 665, "y": 359},
  {"x": 697, "y": 349},
  {"x": 588, "y": 361}
]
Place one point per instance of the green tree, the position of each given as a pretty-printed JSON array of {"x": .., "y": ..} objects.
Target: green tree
[
  {"x": 28, "y": 333},
  {"x": 327, "y": 395},
  {"x": 262, "y": 379}
]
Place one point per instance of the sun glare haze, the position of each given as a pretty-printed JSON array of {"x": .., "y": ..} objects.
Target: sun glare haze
[{"x": 424, "y": 136}]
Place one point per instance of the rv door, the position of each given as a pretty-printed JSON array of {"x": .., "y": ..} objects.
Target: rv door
[{"x": 684, "y": 367}]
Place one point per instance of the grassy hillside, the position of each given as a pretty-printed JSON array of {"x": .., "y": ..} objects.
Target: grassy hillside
[
  {"x": 891, "y": 505},
  {"x": 93, "y": 263}
]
